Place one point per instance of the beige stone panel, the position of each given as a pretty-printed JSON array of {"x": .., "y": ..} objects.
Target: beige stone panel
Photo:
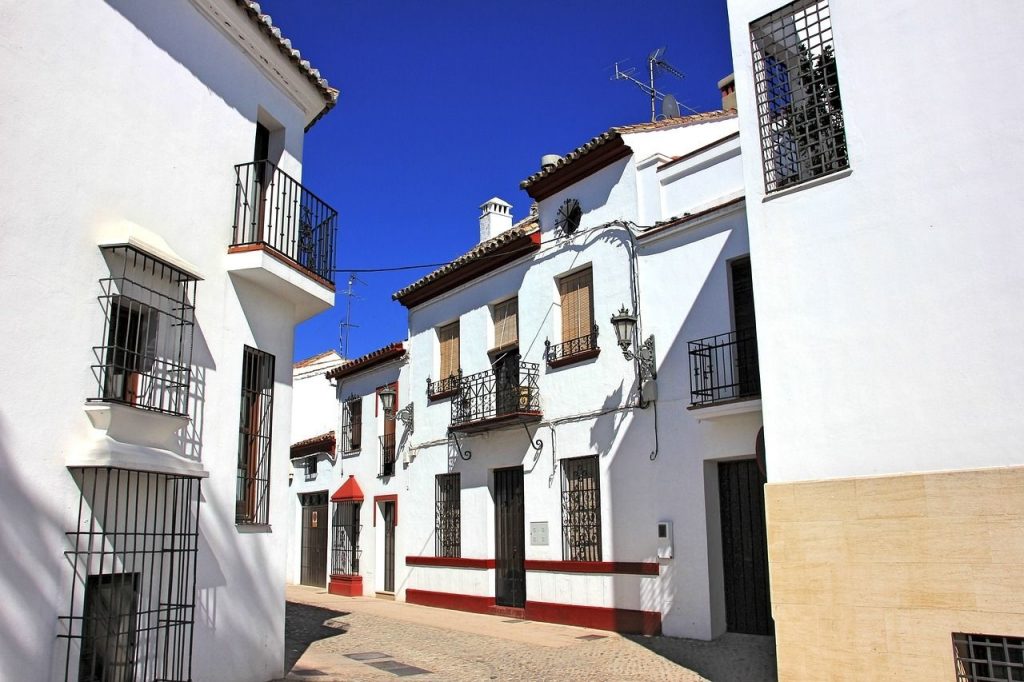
[
  {"x": 1006, "y": 536},
  {"x": 830, "y": 500},
  {"x": 1013, "y": 487},
  {"x": 886, "y": 540},
  {"x": 959, "y": 540},
  {"x": 779, "y": 504},
  {"x": 809, "y": 541},
  {"x": 858, "y": 629},
  {"x": 868, "y": 585},
  {"x": 802, "y": 583},
  {"x": 938, "y": 586},
  {"x": 796, "y": 625},
  {"x": 998, "y": 588},
  {"x": 974, "y": 493},
  {"x": 891, "y": 497},
  {"x": 918, "y": 668}
]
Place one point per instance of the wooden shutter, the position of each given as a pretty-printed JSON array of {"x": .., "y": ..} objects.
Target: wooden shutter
[
  {"x": 577, "y": 294},
  {"x": 449, "y": 338},
  {"x": 506, "y": 323}
]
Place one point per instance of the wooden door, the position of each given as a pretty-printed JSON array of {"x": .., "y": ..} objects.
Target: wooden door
[
  {"x": 509, "y": 538},
  {"x": 314, "y": 540},
  {"x": 388, "y": 512},
  {"x": 506, "y": 383},
  {"x": 744, "y": 548}
]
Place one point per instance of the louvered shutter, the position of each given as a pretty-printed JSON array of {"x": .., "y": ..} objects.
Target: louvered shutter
[
  {"x": 577, "y": 305},
  {"x": 449, "y": 338},
  {"x": 506, "y": 324}
]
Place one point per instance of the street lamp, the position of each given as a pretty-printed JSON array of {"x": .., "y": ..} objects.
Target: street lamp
[
  {"x": 625, "y": 324},
  {"x": 387, "y": 401}
]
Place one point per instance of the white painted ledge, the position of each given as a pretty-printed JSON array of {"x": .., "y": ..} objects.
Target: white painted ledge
[{"x": 726, "y": 409}]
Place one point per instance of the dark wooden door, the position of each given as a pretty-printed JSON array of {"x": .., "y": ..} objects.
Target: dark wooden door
[
  {"x": 314, "y": 540},
  {"x": 509, "y": 538},
  {"x": 262, "y": 174},
  {"x": 744, "y": 548},
  {"x": 506, "y": 383},
  {"x": 745, "y": 325},
  {"x": 388, "y": 512}
]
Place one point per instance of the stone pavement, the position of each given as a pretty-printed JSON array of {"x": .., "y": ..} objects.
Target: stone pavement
[{"x": 331, "y": 638}]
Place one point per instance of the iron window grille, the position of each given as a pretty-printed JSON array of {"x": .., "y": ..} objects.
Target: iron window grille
[
  {"x": 988, "y": 658},
  {"x": 796, "y": 82},
  {"x": 387, "y": 454},
  {"x": 724, "y": 367},
  {"x": 273, "y": 208},
  {"x": 132, "y": 558},
  {"x": 510, "y": 388},
  {"x": 558, "y": 353},
  {"x": 352, "y": 425},
  {"x": 448, "y": 515},
  {"x": 581, "y": 509},
  {"x": 145, "y": 355},
  {"x": 252, "y": 495},
  {"x": 345, "y": 539},
  {"x": 309, "y": 468},
  {"x": 443, "y": 388}
]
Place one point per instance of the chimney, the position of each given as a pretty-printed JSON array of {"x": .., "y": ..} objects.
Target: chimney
[
  {"x": 495, "y": 218},
  {"x": 548, "y": 161},
  {"x": 728, "y": 88}
]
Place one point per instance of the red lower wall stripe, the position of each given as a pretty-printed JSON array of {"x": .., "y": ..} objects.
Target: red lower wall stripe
[{"x": 597, "y": 567}]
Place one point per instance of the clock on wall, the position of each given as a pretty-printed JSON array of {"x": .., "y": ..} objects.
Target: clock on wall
[{"x": 569, "y": 216}]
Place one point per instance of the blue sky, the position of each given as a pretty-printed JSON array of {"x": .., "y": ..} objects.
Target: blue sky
[{"x": 446, "y": 104}]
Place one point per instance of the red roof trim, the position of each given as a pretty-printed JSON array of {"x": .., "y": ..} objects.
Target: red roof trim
[
  {"x": 348, "y": 492},
  {"x": 322, "y": 443}
]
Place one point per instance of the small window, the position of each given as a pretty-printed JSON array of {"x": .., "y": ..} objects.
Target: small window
[
  {"x": 309, "y": 468},
  {"x": 581, "y": 509},
  {"x": 506, "y": 324},
  {"x": 985, "y": 658},
  {"x": 448, "y": 336},
  {"x": 352, "y": 424},
  {"x": 252, "y": 496},
  {"x": 447, "y": 515},
  {"x": 799, "y": 108}
]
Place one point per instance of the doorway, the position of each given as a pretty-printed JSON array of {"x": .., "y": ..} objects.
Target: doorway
[
  {"x": 314, "y": 539},
  {"x": 509, "y": 538},
  {"x": 388, "y": 512},
  {"x": 744, "y": 321},
  {"x": 744, "y": 548}
]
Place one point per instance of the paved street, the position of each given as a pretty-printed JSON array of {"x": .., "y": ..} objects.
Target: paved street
[{"x": 332, "y": 638}]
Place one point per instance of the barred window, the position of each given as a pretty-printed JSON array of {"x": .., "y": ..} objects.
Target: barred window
[
  {"x": 581, "y": 509},
  {"x": 252, "y": 494},
  {"x": 345, "y": 543},
  {"x": 988, "y": 658},
  {"x": 448, "y": 515},
  {"x": 796, "y": 82},
  {"x": 352, "y": 424},
  {"x": 448, "y": 338},
  {"x": 145, "y": 356}
]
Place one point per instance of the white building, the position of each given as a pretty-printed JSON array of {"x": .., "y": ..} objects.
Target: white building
[
  {"x": 886, "y": 262},
  {"x": 153, "y": 275},
  {"x": 553, "y": 479}
]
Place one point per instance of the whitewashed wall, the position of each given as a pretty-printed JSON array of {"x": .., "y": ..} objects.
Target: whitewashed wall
[
  {"x": 130, "y": 111},
  {"x": 888, "y": 298}
]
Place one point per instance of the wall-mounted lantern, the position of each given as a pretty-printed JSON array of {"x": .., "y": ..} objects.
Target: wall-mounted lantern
[{"x": 626, "y": 329}]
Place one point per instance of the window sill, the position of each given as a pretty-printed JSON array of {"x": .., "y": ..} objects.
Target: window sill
[
  {"x": 444, "y": 395},
  {"x": 253, "y": 528},
  {"x": 574, "y": 359},
  {"x": 837, "y": 175},
  {"x": 351, "y": 453}
]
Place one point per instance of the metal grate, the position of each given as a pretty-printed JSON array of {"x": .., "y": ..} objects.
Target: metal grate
[
  {"x": 252, "y": 494},
  {"x": 273, "y": 208},
  {"x": 309, "y": 468},
  {"x": 508, "y": 389},
  {"x": 145, "y": 356},
  {"x": 442, "y": 388},
  {"x": 581, "y": 509},
  {"x": 345, "y": 542},
  {"x": 796, "y": 82},
  {"x": 387, "y": 454},
  {"x": 988, "y": 658},
  {"x": 352, "y": 424},
  {"x": 132, "y": 556},
  {"x": 724, "y": 367},
  {"x": 556, "y": 353},
  {"x": 448, "y": 515}
]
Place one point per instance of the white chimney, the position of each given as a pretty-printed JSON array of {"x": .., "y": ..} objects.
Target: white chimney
[{"x": 495, "y": 218}]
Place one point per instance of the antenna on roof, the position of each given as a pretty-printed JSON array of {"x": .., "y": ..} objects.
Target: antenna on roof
[
  {"x": 654, "y": 64},
  {"x": 345, "y": 325}
]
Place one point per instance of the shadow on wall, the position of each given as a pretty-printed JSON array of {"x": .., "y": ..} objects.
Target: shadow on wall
[{"x": 190, "y": 441}]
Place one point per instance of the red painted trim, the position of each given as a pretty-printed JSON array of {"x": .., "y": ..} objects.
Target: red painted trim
[
  {"x": 349, "y": 491},
  {"x": 346, "y": 585},
  {"x": 283, "y": 259},
  {"x": 619, "y": 567},
  {"x": 596, "y": 617},
  {"x": 447, "y": 600},
  {"x": 384, "y": 498},
  {"x": 448, "y": 562}
]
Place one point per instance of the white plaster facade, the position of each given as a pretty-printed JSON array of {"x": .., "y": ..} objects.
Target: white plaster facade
[{"x": 124, "y": 122}]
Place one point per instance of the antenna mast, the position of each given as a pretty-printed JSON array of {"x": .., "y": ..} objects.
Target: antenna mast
[
  {"x": 654, "y": 63},
  {"x": 346, "y": 324}
]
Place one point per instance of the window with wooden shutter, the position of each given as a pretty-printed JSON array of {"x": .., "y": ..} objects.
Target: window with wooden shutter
[
  {"x": 449, "y": 340},
  {"x": 506, "y": 324},
  {"x": 577, "y": 298}
]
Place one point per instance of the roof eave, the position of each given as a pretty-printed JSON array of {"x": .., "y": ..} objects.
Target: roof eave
[{"x": 574, "y": 170}]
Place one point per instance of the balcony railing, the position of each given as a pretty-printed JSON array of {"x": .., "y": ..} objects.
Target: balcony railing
[
  {"x": 274, "y": 209},
  {"x": 443, "y": 388},
  {"x": 573, "y": 350},
  {"x": 387, "y": 454},
  {"x": 506, "y": 393},
  {"x": 723, "y": 368}
]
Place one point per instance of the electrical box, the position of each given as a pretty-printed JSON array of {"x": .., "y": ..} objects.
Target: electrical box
[
  {"x": 665, "y": 543},
  {"x": 538, "y": 533}
]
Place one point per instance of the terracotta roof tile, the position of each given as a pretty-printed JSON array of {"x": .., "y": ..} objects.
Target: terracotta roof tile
[
  {"x": 314, "y": 359},
  {"x": 388, "y": 352},
  {"x": 322, "y": 443}
]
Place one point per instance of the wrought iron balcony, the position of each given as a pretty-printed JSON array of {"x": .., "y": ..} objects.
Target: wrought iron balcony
[
  {"x": 573, "y": 350},
  {"x": 723, "y": 368},
  {"x": 274, "y": 210},
  {"x": 443, "y": 388},
  {"x": 387, "y": 454},
  {"x": 507, "y": 393}
]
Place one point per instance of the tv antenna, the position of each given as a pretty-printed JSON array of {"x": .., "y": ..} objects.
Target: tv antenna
[
  {"x": 345, "y": 325},
  {"x": 655, "y": 65}
]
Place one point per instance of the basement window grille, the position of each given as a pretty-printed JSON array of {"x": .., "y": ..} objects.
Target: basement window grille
[
  {"x": 145, "y": 354},
  {"x": 252, "y": 494},
  {"x": 132, "y": 558},
  {"x": 796, "y": 82},
  {"x": 581, "y": 509},
  {"x": 988, "y": 658},
  {"x": 345, "y": 542},
  {"x": 448, "y": 515}
]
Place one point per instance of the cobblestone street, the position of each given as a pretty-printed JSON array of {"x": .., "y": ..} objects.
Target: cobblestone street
[{"x": 337, "y": 638}]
